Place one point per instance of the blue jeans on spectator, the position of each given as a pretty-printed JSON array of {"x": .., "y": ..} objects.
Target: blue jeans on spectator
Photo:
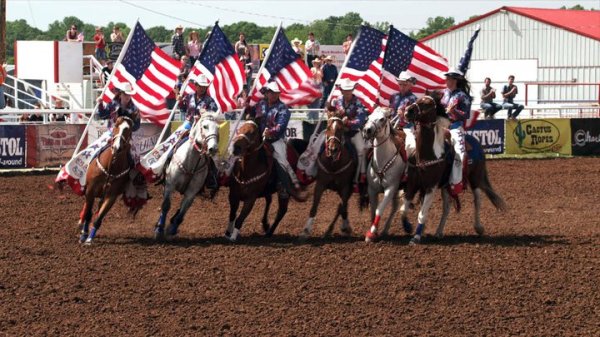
[
  {"x": 510, "y": 106},
  {"x": 2, "y": 101},
  {"x": 100, "y": 54},
  {"x": 490, "y": 109}
]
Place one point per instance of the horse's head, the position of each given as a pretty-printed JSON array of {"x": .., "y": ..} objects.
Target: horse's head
[
  {"x": 122, "y": 133},
  {"x": 377, "y": 122},
  {"x": 247, "y": 138},
  {"x": 426, "y": 109},
  {"x": 334, "y": 135},
  {"x": 205, "y": 134}
]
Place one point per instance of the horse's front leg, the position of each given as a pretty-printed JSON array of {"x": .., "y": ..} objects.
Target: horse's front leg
[
  {"x": 159, "y": 229},
  {"x": 395, "y": 206},
  {"x": 109, "y": 201},
  {"x": 186, "y": 202},
  {"x": 265, "y": 218},
  {"x": 423, "y": 213},
  {"x": 234, "y": 204},
  {"x": 282, "y": 207},
  {"x": 248, "y": 205},
  {"x": 439, "y": 233},
  {"x": 319, "y": 189},
  {"x": 388, "y": 195},
  {"x": 345, "y": 196},
  {"x": 85, "y": 217}
]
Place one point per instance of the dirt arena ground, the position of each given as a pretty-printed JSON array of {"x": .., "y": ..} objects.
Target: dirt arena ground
[{"x": 536, "y": 271}]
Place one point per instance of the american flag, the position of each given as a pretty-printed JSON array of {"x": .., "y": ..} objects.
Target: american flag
[
  {"x": 420, "y": 61},
  {"x": 364, "y": 66},
  {"x": 286, "y": 68},
  {"x": 222, "y": 67},
  {"x": 151, "y": 72}
]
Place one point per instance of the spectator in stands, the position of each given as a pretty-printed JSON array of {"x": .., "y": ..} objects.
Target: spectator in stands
[
  {"x": 241, "y": 45},
  {"x": 509, "y": 92},
  {"x": 72, "y": 35},
  {"x": 106, "y": 71},
  {"x": 100, "y": 44},
  {"x": 2, "y": 79},
  {"x": 347, "y": 44},
  {"x": 296, "y": 46},
  {"x": 330, "y": 74},
  {"x": 117, "y": 35},
  {"x": 317, "y": 77},
  {"x": 246, "y": 60},
  {"x": 36, "y": 117},
  {"x": 487, "y": 100},
  {"x": 185, "y": 65},
  {"x": 312, "y": 48},
  {"x": 58, "y": 105},
  {"x": 194, "y": 47},
  {"x": 177, "y": 43}
]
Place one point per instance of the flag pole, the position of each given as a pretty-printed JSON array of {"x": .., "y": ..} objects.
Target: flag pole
[
  {"x": 182, "y": 91},
  {"x": 262, "y": 66},
  {"x": 117, "y": 63}
]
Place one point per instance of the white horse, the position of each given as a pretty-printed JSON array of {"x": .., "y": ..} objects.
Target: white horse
[
  {"x": 187, "y": 171},
  {"x": 385, "y": 170}
]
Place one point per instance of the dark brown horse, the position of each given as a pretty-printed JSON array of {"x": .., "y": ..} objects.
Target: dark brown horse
[
  {"x": 429, "y": 166},
  {"x": 106, "y": 178},
  {"x": 335, "y": 171},
  {"x": 253, "y": 177}
]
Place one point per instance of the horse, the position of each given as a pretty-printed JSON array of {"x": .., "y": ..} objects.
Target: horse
[
  {"x": 385, "y": 170},
  {"x": 187, "y": 172},
  {"x": 252, "y": 177},
  {"x": 336, "y": 168},
  {"x": 429, "y": 167},
  {"x": 106, "y": 178}
]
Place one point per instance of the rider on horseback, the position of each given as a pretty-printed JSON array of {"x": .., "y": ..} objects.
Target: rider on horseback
[
  {"x": 274, "y": 116},
  {"x": 194, "y": 104},
  {"x": 457, "y": 101},
  {"x": 355, "y": 115},
  {"x": 399, "y": 102}
]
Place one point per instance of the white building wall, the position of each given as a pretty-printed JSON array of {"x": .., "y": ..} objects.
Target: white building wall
[{"x": 563, "y": 56}]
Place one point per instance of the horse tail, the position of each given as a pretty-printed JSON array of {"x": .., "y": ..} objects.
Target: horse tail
[{"x": 487, "y": 188}]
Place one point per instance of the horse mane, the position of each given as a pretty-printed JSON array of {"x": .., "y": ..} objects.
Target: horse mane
[{"x": 437, "y": 96}]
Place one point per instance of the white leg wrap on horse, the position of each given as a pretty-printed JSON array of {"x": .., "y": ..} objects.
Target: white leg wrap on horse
[
  {"x": 234, "y": 234},
  {"x": 309, "y": 225}
]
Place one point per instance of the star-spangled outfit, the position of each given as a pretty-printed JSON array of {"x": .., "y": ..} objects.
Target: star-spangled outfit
[
  {"x": 153, "y": 164},
  {"x": 399, "y": 102},
  {"x": 275, "y": 118},
  {"x": 356, "y": 113},
  {"x": 458, "y": 115}
]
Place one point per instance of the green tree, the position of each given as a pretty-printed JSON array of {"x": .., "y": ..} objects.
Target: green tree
[
  {"x": 576, "y": 7},
  {"x": 434, "y": 25}
]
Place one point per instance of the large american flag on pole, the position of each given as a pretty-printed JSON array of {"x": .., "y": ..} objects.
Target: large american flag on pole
[
  {"x": 292, "y": 75},
  {"x": 221, "y": 65},
  {"x": 364, "y": 66},
  {"x": 420, "y": 61},
  {"x": 151, "y": 72}
]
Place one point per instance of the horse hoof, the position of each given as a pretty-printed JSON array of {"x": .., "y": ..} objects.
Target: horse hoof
[
  {"x": 415, "y": 241},
  {"x": 370, "y": 237},
  {"x": 87, "y": 242},
  {"x": 328, "y": 233},
  {"x": 479, "y": 230},
  {"x": 268, "y": 234},
  {"x": 266, "y": 227},
  {"x": 439, "y": 236},
  {"x": 347, "y": 231},
  {"x": 408, "y": 227},
  {"x": 82, "y": 238}
]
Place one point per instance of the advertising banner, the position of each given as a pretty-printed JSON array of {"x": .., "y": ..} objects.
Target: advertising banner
[
  {"x": 585, "y": 136},
  {"x": 143, "y": 139},
  {"x": 538, "y": 136},
  {"x": 51, "y": 144},
  {"x": 12, "y": 146},
  {"x": 335, "y": 51},
  {"x": 490, "y": 134}
]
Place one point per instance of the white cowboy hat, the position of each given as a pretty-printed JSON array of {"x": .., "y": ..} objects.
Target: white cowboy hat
[
  {"x": 405, "y": 77},
  {"x": 347, "y": 84},
  {"x": 329, "y": 58},
  {"x": 455, "y": 73},
  {"x": 272, "y": 86},
  {"x": 202, "y": 81},
  {"x": 179, "y": 27},
  {"x": 126, "y": 88},
  {"x": 296, "y": 40}
]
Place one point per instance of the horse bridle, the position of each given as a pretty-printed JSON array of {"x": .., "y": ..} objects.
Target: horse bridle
[
  {"x": 239, "y": 136},
  {"x": 127, "y": 119},
  {"x": 106, "y": 170},
  {"x": 428, "y": 125},
  {"x": 333, "y": 138}
]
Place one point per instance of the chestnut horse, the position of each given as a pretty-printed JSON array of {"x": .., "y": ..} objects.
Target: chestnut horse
[
  {"x": 106, "y": 178},
  {"x": 429, "y": 166},
  {"x": 335, "y": 170},
  {"x": 252, "y": 177}
]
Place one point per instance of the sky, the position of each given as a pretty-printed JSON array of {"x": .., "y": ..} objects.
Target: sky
[{"x": 404, "y": 15}]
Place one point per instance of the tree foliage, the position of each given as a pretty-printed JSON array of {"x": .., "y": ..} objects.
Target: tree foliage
[{"x": 434, "y": 25}]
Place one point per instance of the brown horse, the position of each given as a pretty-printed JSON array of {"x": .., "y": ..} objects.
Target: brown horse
[
  {"x": 335, "y": 171},
  {"x": 429, "y": 166},
  {"x": 106, "y": 178},
  {"x": 253, "y": 177}
]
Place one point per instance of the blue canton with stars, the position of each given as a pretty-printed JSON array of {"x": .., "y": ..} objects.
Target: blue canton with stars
[
  {"x": 281, "y": 55},
  {"x": 215, "y": 49},
  {"x": 138, "y": 55},
  {"x": 366, "y": 50},
  {"x": 399, "y": 52}
]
